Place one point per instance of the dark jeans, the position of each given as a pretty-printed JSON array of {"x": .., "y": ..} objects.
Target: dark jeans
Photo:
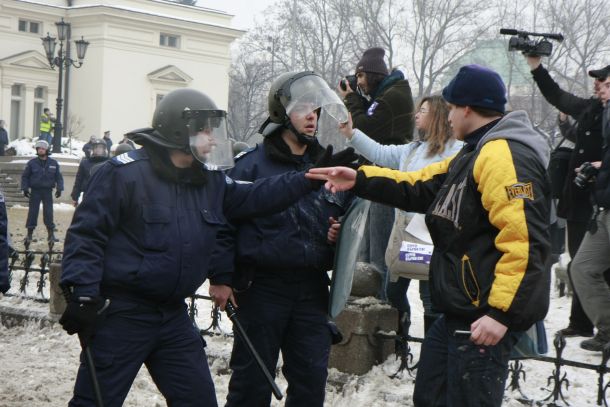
[
  {"x": 287, "y": 316},
  {"x": 455, "y": 372},
  {"x": 46, "y": 197},
  {"x": 164, "y": 339}
]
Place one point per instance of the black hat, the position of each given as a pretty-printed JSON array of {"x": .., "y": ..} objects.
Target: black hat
[
  {"x": 600, "y": 74},
  {"x": 372, "y": 61}
]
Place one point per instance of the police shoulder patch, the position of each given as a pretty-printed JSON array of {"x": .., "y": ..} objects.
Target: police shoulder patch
[
  {"x": 128, "y": 157},
  {"x": 520, "y": 190},
  {"x": 246, "y": 151}
]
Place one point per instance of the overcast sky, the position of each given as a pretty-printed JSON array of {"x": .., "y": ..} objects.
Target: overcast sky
[{"x": 245, "y": 11}]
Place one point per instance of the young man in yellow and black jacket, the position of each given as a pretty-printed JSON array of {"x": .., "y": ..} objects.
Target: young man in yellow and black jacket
[{"x": 487, "y": 210}]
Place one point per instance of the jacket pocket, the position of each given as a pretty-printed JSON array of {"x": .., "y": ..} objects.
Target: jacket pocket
[
  {"x": 156, "y": 224},
  {"x": 468, "y": 281}
]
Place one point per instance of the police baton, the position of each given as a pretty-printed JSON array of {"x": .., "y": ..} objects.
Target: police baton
[
  {"x": 88, "y": 355},
  {"x": 230, "y": 310}
]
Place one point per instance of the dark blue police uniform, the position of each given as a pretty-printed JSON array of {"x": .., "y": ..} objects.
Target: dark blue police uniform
[
  {"x": 146, "y": 243},
  {"x": 41, "y": 176},
  {"x": 286, "y": 256},
  {"x": 83, "y": 174}
]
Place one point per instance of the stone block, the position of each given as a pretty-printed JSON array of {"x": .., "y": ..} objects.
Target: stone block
[
  {"x": 57, "y": 302},
  {"x": 361, "y": 349}
]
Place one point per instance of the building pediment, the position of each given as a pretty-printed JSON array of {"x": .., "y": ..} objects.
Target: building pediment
[
  {"x": 170, "y": 74},
  {"x": 27, "y": 59}
]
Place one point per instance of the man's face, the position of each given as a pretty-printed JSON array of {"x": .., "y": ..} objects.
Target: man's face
[
  {"x": 41, "y": 152},
  {"x": 362, "y": 82},
  {"x": 203, "y": 143},
  {"x": 458, "y": 121},
  {"x": 304, "y": 118},
  {"x": 604, "y": 90}
]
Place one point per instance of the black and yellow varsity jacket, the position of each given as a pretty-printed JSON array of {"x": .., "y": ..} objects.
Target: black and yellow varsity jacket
[{"x": 487, "y": 210}]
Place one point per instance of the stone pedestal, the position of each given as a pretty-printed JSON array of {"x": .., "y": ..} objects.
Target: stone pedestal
[
  {"x": 360, "y": 349},
  {"x": 57, "y": 303}
]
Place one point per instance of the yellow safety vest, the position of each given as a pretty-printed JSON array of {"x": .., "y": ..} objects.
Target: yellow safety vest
[{"x": 45, "y": 126}]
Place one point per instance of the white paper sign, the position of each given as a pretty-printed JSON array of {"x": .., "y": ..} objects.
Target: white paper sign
[{"x": 417, "y": 227}]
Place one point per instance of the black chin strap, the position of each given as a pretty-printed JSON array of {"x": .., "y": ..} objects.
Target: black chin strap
[{"x": 301, "y": 137}]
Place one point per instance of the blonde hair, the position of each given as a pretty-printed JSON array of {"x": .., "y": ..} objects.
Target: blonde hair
[{"x": 439, "y": 130}]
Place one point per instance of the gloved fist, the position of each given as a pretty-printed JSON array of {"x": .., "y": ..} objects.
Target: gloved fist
[
  {"x": 80, "y": 316},
  {"x": 26, "y": 193},
  {"x": 57, "y": 194},
  {"x": 328, "y": 159}
]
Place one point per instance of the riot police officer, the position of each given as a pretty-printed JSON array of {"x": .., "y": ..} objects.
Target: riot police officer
[
  {"x": 282, "y": 259},
  {"x": 40, "y": 176},
  {"x": 98, "y": 154},
  {"x": 142, "y": 238}
]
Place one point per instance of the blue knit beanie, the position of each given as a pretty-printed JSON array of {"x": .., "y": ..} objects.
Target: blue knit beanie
[{"x": 475, "y": 85}]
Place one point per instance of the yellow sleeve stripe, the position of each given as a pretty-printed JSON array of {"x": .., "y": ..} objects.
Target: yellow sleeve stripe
[
  {"x": 425, "y": 174},
  {"x": 493, "y": 171}
]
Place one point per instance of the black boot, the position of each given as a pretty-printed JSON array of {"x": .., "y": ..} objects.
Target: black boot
[
  {"x": 51, "y": 237},
  {"x": 28, "y": 238}
]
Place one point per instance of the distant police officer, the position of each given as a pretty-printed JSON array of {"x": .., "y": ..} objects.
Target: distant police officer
[
  {"x": 5, "y": 282},
  {"x": 142, "y": 237},
  {"x": 99, "y": 154},
  {"x": 282, "y": 259},
  {"x": 40, "y": 176}
]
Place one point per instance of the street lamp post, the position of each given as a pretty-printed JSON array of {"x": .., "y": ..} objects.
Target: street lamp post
[{"x": 61, "y": 60}]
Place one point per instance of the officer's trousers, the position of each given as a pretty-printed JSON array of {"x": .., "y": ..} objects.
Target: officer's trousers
[
  {"x": 289, "y": 316},
  {"x": 37, "y": 195},
  {"x": 161, "y": 337}
]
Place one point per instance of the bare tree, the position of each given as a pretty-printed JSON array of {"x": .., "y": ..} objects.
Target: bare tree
[{"x": 441, "y": 31}]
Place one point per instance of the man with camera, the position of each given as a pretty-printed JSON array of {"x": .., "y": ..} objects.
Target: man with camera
[
  {"x": 592, "y": 260},
  {"x": 575, "y": 205},
  {"x": 381, "y": 106}
]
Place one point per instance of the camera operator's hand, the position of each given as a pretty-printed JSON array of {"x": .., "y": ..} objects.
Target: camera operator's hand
[
  {"x": 346, "y": 129},
  {"x": 344, "y": 92},
  {"x": 533, "y": 62}
]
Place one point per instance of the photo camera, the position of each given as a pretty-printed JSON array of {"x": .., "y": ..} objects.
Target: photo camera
[
  {"x": 349, "y": 80},
  {"x": 520, "y": 41}
]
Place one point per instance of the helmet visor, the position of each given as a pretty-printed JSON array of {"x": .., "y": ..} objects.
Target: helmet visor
[
  {"x": 208, "y": 139},
  {"x": 310, "y": 93}
]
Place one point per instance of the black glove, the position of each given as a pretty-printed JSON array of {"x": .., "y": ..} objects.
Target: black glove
[
  {"x": 80, "y": 316},
  {"x": 26, "y": 193},
  {"x": 57, "y": 194},
  {"x": 5, "y": 286},
  {"x": 328, "y": 159}
]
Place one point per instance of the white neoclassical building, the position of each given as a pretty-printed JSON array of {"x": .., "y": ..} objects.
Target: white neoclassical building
[{"x": 139, "y": 50}]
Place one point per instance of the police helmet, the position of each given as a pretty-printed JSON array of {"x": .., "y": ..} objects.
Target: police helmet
[
  {"x": 42, "y": 144},
  {"x": 122, "y": 148},
  {"x": 99, "y": 148},
  {"x": 169, "y": 122},
  {"x": 280, "y": 94}
]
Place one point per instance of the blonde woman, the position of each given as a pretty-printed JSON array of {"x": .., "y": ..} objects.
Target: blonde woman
[{"x": 436, "y": 144}]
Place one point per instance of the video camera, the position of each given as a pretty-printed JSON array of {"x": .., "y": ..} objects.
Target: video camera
[{"x": 520, "y": 41}]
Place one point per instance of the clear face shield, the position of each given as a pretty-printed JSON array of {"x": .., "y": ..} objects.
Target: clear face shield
[
  {"x": 208, "y": 138},
  {"x": 311, "y": 93}
]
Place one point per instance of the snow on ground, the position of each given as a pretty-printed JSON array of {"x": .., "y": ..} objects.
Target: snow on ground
[
  {"x": 39, "y": 365},
  {"x": 69, "y": 148}
]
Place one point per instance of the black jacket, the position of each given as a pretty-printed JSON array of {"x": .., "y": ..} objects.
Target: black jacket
[
  {"x": 389, "y": 118},
  {"x": 576, "y": 202}
]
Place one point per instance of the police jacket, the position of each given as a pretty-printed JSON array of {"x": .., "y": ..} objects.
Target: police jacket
[
  {"x": 42, "y": 174},
  {"x": 576, "y": 202},
  {"x": 487, "y": 210},
  {"x": 388, "y": 119},
  {"x": 136, "y": 235},
  {"x": 83, "y": 174},
  {"x": 294, "y": 240}
]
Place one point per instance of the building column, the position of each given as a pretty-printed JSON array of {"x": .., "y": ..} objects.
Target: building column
[
  {"x": 5, "y": 105},
  {"x": 28, "y": 107}
]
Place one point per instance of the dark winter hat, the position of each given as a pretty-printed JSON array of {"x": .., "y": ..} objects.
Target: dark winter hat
[
  {"x": 372, "y": 61},
  {"x": 475, "y": 85},
  {"x": 600, "y": 74}
]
